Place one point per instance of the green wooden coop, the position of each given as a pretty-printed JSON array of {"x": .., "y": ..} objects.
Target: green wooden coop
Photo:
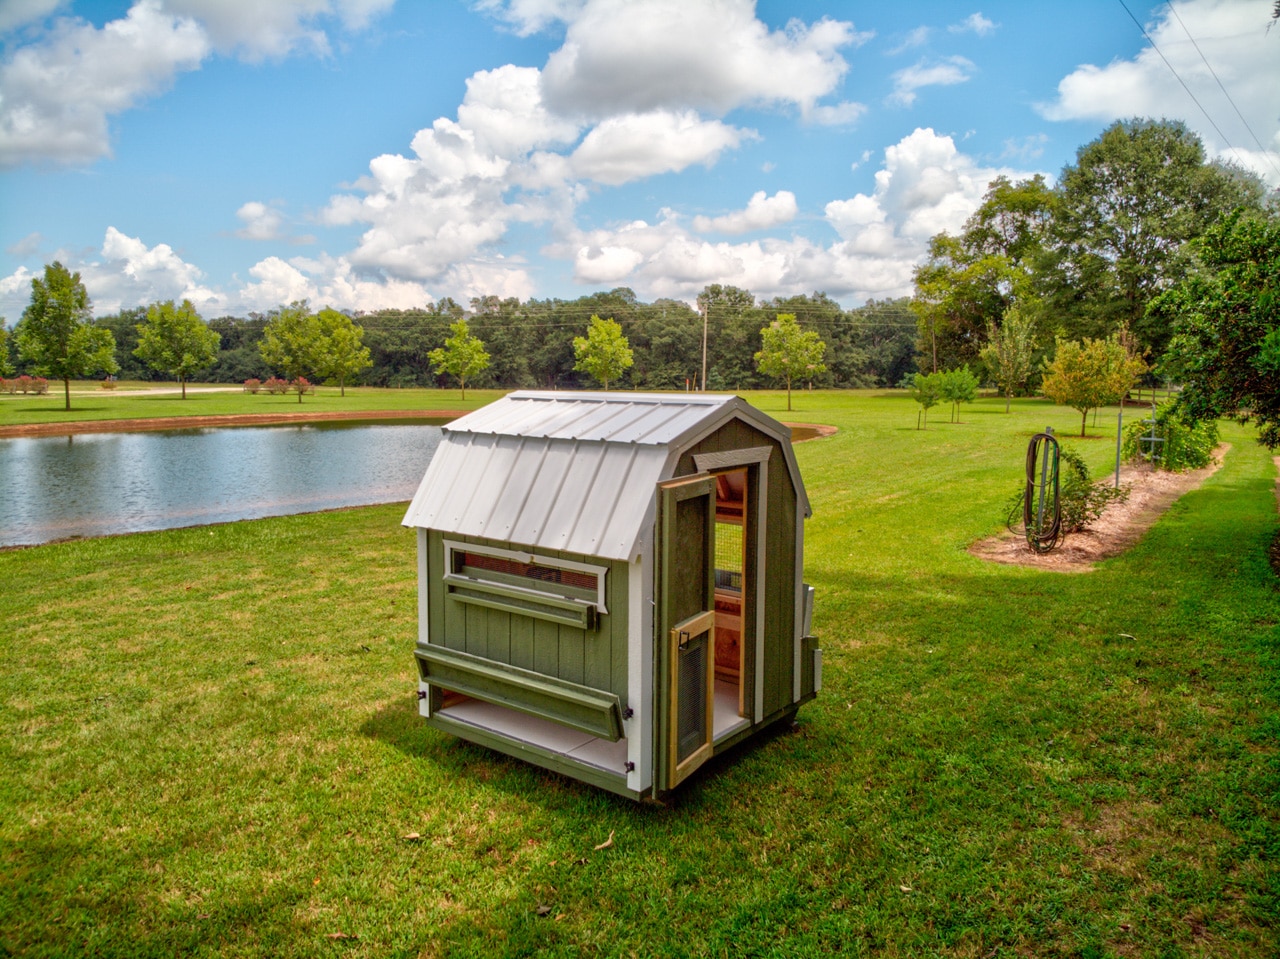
[{"x": 610, "y": 585}]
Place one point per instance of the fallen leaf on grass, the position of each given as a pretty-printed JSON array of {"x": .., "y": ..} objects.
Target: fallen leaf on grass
[
  {"x": 340, "y": 935},
  {"x": 905, "y": 888},
  {"x": 412, "y": 837},
  {"x": 543, "y": 910},
  {"x": 607, "y": 843}
]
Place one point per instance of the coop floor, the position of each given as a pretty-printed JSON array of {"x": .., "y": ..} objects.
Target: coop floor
[
  {"x": 540, "y": 732},
  {"x": 726, "y": 718}
]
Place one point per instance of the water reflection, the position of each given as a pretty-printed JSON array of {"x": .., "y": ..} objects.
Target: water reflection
[{"x": 100, "y": 483}]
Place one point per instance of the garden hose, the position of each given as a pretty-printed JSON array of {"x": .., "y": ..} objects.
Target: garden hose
[{"x": 1041, "y": 506}]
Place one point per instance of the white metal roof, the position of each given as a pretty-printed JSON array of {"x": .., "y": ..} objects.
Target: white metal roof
[{"x": 570, "y": 471}]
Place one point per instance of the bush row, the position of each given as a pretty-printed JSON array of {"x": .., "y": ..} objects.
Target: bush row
[
  {"x": 24, "y": 384},
  {"x": 276, "y": 385}
]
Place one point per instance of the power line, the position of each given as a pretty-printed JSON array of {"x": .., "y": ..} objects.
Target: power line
[
  {"x": 1178, "y": 76},
  {"x": 1265, "y": 152}
]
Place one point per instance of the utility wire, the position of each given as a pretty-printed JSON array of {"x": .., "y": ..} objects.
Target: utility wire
[
  {"x": 1265, "y": 152},
  {"x": 1178, "y": 77}
]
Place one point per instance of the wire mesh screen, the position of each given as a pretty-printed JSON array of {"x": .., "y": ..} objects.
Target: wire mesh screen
[
  {"x": 728, "y": 556},
  {"x": 691, "y": 714}
]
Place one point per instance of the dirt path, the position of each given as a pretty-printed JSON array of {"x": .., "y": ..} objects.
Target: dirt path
[
  {"x": 229, "y": 419},
  {"x": 1120, "y": 526}
]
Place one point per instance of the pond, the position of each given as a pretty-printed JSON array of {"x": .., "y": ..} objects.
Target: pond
[{"x": 96, "y": 484}]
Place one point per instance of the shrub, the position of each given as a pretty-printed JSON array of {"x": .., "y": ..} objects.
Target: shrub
[
  {"x": 276, "y": 385},
  {"x": 108, "y": 384},
  {"x": 302, "y": 385},
  {"x": 1079, "y": 498},
  {"x": 30, "y": 384},
  {"x": 1186, "y": 446},
  {"x": 7, "y": 386},
  {"x": 252, "y": 385}
]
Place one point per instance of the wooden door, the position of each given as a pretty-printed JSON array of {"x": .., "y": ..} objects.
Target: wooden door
[{"x": 686, "y": 625}]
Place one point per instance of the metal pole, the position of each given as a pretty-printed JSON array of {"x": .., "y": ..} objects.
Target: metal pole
[
  {"x": 1044, "y": 479},
  {"x": 1119, "y": 431}
]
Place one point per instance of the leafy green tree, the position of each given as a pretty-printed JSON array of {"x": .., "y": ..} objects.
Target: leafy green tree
[
  {"x": 462, "y": 355},
  {"x": 969, "y": 282},
  {"x": 788, "y": 352},
  {"x": 1010, "y": 351},
  {"x": 343, "y": 354},
  {"x": 958, "y": 386},
  {"x": 604, "y": 352},
  {"x": 886, "y": 335},
  {"x": 1226, "y": 318},
  {"x": 925, "y": 389},
  {"x": 175, "y": 340},
  {"x": 1086, "y": 374},
  {"x": 57, "y": 336},
  {"x": 1133, "y": 198},
  {"x": 293, "y": 342},
  {"x": 5, "y": 366}
]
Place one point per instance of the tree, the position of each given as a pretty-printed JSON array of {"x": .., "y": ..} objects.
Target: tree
[
  {"x": 5, "y": 366},
  {"x": 968, "y": 282},
  {"x": 56, "y": 335},
  {"x": 1226, "y": 320},
  {"x": 462, "y": 355},
  {"x": 343, "y": 353},
  {"x": 788, "y": 352},
  {"x": 1133, "y": 198},
  {"x": 175, "y": 340},
  {"x": 1085, "y": 375},
  {"x": 925, "y": 389},
  {"x": 1009, "y": 350},
  {"x": 604, "y": 352},
  {"x": 293, "y": 342},
  {"x": 958, "y": 386}
]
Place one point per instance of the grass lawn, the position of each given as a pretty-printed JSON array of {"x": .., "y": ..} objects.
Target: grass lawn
[{"x": 210, "y": 740}]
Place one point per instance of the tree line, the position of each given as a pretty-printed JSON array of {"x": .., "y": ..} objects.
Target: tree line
[{"x": 529, "y": 344}]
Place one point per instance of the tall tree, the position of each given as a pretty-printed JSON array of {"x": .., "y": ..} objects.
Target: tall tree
[
  {"x": 1131, "y": 200},
  {"x": 604, "y": 352},
  {"x": 56, "y": 335},
  {"x": 175, "y": 340},
  {"x": 1010, "y": 351},
  {"x": 968, "y": 282},
  {"x": 343, "y": 354},
  {"x": 462, "y": 355},
  {"x": 788, "y": 352},
  {"x": 1226, "y": 317},
  {"x": 293, "y": 342},
  {"x": 5, "y": 366}
]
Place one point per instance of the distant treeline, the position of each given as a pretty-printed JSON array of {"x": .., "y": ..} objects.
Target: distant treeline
[{"x": 531, "y": 343}]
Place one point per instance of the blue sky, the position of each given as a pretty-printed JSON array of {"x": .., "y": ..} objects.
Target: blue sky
[{"x": 371, "y": 153}]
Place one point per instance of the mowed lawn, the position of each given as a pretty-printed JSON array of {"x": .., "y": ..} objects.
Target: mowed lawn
[{"x": 210, "y": 741}]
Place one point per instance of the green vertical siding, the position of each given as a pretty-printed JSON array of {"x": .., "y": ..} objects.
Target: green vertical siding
[{"x": 595, "y": 658}]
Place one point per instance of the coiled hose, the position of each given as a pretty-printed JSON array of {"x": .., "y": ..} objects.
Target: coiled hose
[{"x": 1041, "y": 520}]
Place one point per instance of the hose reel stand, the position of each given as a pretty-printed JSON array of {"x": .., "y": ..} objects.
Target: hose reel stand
[{"x": 1041, "y": 506}]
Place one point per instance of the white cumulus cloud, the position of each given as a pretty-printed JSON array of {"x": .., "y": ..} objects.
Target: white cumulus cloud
[
  {"x": 638, "y": 145},
  {"x": 762, "y": 213},
  {"x": 947, "y": 72},
  {"x": 974, "y": 23},
  {"x": 713, "y": 55},
  {"x": 58, "y": 91}
]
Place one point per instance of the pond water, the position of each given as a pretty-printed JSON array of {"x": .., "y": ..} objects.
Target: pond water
[{"x": 95, "y": 484}]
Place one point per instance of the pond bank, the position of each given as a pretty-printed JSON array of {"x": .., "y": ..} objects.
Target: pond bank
[{"x": 226, "y": 419}]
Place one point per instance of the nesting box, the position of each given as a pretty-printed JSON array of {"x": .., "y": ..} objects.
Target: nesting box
[{"x": 610, "y": 584}]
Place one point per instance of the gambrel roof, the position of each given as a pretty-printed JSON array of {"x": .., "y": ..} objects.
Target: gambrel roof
[{"x": 571, "y": 471}]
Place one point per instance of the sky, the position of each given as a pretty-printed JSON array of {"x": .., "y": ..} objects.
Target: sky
[{"x": 364, "y": 154}]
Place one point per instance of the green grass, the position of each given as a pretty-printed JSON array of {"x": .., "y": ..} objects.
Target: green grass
[
  {"x": 90, "y": 402},
  {"x": 211, "y": 747}
]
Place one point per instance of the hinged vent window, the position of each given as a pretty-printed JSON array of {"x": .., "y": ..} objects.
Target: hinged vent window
[{"x": 544, "y": 587}]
